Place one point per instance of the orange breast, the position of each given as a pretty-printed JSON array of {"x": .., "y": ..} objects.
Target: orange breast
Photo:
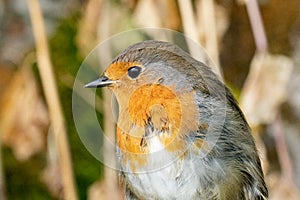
[
  {"x": 160, "y": 104},
  {"x": 173, "y": 115},
  {"x": 148, "y": 96},
  {"x": 146, "y": 102}
]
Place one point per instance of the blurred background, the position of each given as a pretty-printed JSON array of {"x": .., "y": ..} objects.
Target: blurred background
[{"x": 255, "y": 44}]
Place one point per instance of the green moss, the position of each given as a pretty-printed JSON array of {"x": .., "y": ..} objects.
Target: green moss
[{"x": 23, "y": 179}]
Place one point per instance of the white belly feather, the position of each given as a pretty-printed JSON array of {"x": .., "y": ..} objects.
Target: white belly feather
[{"x": 164, "y": 175}]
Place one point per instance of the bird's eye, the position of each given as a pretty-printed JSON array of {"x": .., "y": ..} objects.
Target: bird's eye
[{"x": 134, "y": 72}]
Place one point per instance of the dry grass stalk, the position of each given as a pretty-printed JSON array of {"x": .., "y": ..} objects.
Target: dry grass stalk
[
  {"x": 188, "y": 19},
  {"x": 147, "y": 9},
  {"x": 210, "y": 32},
  {"x": 189, "y": 24},
  {"x": 87, "y": 31},
  {"x": 191, "y": 30},
  {"x": 110, "y": 175},
  {"x": 108, "y": 188},
  {"x": 51, "y": 94}
]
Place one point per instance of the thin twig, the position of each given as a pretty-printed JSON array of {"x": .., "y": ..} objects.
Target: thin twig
[
  {"x": 282, "y": 150},
  {"x": 258, "y": 30},
  {"x": 51, "y": 94}
]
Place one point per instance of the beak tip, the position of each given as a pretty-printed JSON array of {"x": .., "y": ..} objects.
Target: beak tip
[
  {"x": 87, "y": 86},
  {"x": 101, "y": 82},
  {"x": 90, "y": 85}
]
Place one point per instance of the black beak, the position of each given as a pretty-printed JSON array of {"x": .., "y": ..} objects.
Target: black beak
[{"x": 100, "y": 82}]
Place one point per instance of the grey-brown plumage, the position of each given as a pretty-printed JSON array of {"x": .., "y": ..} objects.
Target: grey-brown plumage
[{"x": 226, "y": 166}]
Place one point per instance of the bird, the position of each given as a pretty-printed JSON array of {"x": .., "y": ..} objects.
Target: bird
[{"x": 180, "y": 133}]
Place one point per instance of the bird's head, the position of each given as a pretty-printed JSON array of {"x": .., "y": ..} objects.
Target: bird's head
[{"x": 149, "y": 63}]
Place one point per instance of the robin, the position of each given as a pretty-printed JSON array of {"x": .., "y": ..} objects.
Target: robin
[{"x": 180, "y": 133}]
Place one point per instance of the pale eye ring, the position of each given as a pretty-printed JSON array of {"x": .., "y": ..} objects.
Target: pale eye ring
[{"x": 134, "y": 71}]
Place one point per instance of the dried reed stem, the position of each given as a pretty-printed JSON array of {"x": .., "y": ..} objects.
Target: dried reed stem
[
  {"x": 51, "y": 94},
  {"x": 189, "y": 24},
  {"x": 110, "y": 175},
  {"x": 191, "y": 30},
  {"x": 210, "y": 32}
]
